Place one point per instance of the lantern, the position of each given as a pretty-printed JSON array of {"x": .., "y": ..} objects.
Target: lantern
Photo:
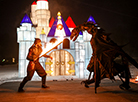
[{"x": 59, "y": 26}]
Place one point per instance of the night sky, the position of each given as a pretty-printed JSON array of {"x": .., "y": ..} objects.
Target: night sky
[{"x": 119, "y": 17}]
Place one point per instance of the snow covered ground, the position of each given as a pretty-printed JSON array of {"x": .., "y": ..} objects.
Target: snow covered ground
[{"x": 10, "y": 73}]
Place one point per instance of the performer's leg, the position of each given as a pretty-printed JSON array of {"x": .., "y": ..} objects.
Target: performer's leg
[
  {"x": 88, "y": 82},
  {"x": 90, "y": 68},
  {"x": 41, "y": 72},
  {"x": 127, "y": 76},
  {"x": 125, "y": 84},
  {"x": 25, "y": 80},
  {"x": 20, "y": 89},
  {"x": 44, "y": 82},
  {"x": 89, "y": 76}
]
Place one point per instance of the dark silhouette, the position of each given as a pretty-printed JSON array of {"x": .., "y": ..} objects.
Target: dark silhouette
[{"x": 105, "y": 62}]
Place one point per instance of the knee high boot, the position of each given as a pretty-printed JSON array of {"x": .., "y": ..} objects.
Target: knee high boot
[
  {"x": 20, "y": 89},
  {"x": 44, "y": 82},
  {"x": 125, "y": 84}
]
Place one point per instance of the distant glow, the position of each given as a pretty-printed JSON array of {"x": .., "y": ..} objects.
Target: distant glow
[
  {"x": 50, "y": 46},
  {"x": 3, "y": 60},
  {"x": 13, "y": 59}
]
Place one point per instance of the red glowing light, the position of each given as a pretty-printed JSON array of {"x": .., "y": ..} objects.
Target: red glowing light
[{"x": 59, "y": 26}]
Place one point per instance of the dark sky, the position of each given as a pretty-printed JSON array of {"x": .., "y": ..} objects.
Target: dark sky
[{"x": 119, "y": 17}]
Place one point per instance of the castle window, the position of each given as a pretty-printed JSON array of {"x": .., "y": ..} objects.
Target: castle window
[
  {"x": 66, "y": 44},
  {"x": 53, "y": 40}
]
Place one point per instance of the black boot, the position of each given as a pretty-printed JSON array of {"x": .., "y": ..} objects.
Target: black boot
[
  {"x": 124, "y": 86},
  {"x": 85, "y": 82},
  {"x": 44, "y": 82},
  {"x": 88, "y": 82},
  {"x": 20, "y": 89}
]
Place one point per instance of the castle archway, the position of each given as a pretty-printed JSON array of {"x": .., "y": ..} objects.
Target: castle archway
[{"x": 62, "y": 64}]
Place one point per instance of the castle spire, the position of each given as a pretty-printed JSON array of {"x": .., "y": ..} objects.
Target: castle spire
[{"x": 26, "y": 19}]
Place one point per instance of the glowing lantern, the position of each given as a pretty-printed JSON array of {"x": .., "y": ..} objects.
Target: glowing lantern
[{"x": 59, "y": 26}]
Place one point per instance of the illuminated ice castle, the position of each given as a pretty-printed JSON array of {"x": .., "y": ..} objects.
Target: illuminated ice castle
[{"x": 70, "y": 58}]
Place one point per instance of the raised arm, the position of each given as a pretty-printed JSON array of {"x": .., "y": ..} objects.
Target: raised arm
[{"x": 47, "y": 56}]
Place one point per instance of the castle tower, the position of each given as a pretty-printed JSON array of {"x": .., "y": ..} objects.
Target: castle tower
[
  {"x": 88, "y": 49},
  {"x": 33, "y": 15},
  {"x": 40, "y": 16},
  {"x": 25, "y": 38}
]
